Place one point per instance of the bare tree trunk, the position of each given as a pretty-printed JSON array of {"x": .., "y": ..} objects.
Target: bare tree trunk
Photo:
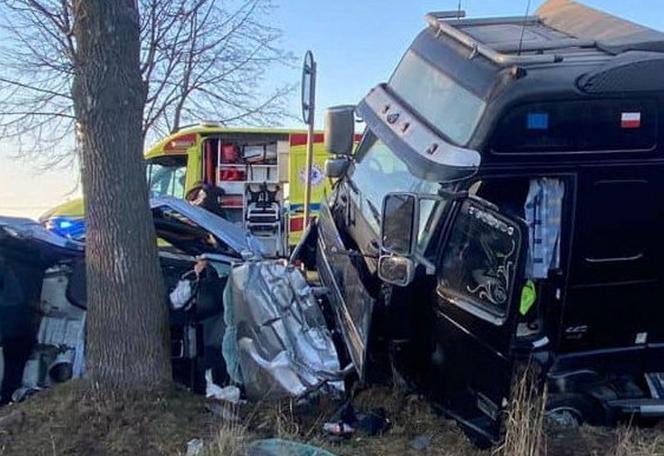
[{"x": 127, "y": 342}]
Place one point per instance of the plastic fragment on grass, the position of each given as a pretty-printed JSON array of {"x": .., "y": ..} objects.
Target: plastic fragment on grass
[{"x": 278, "y": 447}]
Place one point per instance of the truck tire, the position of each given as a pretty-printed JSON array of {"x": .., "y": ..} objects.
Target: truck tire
[{"x": 572, "y": 410}]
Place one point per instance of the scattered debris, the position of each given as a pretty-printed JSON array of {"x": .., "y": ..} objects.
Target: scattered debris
[
  {"x": 278, "y": 447},
  {"x": 195, "y": 447},
  {"x": 339, "y": 429},
  {"x": 347, "y": 422},
  {"x": 373, "y": 423},
  {"x": 421, "y": 442},
  {"x": 213, "y": 391},
  {"x": 22, "y": 394}
]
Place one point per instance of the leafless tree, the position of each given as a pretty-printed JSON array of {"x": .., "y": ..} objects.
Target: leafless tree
[
  {"x": 200, "y": 59},
  {"x": 127, "y": 343}
]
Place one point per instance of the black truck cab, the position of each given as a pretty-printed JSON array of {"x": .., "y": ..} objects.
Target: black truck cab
[{"x": 506, "y": 207}]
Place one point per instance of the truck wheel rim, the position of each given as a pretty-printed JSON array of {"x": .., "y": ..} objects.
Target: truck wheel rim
[{"x": 567, "y": 417}]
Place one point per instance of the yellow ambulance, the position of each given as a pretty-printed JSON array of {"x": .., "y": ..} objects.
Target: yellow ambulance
[{"x": 261, "y": 174}]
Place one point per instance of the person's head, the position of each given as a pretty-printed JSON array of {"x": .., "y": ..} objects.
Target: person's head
[{"x": 193, "y": 193}]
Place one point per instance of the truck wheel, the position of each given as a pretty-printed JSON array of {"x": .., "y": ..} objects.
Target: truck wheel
[{"x": 573, "y": 410}]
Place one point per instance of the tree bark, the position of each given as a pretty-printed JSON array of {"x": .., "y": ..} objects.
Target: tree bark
[{"x": 127, "y": 323}]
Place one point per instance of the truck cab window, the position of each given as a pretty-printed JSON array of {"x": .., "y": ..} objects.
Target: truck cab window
[
  {"x": 431, "y": 213},
  {"x": 166, "y": 176},
  {"x": 379, "y": 171},
  {"x": 480, "y": 260},
  {"x": 449, "y": 106}
]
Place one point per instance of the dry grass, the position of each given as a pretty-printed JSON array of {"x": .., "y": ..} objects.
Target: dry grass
[
  {"x": 524, "y": 428},
  {"x": 69, "y": 420},
  {"x": 229, "y": 441},
  {"x": 63, "y": 422},
  {"x": 635, "y": 442}
]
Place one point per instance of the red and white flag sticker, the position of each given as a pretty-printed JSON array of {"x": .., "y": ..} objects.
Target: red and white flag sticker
[{"x": 631, "y": 120}]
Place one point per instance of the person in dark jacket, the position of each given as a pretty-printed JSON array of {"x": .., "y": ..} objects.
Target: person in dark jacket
[{"x": 206, "y": 196}]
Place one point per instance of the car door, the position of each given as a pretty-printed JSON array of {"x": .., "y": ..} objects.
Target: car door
[{"x": 475, "y": 308}]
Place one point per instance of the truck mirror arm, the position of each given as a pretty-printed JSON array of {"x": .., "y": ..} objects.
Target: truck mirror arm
[
  {"x": 453, "y": 196},
  {"x": 350, "y": 253}
]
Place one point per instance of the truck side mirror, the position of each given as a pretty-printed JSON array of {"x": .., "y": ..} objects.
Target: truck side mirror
[
  {"x": 336, "y": 169},
  {"x": 340, "y": 130},
  {"x": 398, "y": 233},
  {"x": 398, "y": 230},
  {"x": 396, "y": 270}
]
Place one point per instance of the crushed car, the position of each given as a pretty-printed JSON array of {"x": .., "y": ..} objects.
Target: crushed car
[{"x": 43, "y": 307}]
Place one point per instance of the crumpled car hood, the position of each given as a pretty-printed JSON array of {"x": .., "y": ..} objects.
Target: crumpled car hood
[{"x": 277, "y": 343}]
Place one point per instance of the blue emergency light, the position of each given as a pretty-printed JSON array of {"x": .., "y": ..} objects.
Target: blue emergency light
[{"x": 71, "y": 228}]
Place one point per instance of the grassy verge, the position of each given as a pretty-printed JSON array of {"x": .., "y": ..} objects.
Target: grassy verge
[{"x": 67, "y": 421}]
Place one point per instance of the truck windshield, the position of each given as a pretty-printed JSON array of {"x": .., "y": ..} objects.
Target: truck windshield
[
  {"x": 379, "y": 171},
  {"x": 166, "y": 176},
  {"x": 444, "y": 103}
]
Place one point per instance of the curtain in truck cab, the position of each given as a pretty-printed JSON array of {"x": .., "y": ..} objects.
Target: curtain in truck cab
[{"x": 543, "y": 213}]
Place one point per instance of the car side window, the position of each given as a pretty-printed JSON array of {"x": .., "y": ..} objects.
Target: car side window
[{"x": 480, "y": 260}]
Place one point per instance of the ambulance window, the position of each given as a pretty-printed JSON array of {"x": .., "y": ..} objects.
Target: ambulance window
[
  {"x": 480, "y": 260},
  {"x": 578, "y": 126},
  {"x": 166, "y": 176}
]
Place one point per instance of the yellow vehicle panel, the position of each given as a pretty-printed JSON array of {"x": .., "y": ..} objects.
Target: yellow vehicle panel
[{"x": 187, "y": 145}]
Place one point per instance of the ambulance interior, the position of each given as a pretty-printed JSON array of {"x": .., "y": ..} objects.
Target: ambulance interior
[{"x": 251, "y": 171}]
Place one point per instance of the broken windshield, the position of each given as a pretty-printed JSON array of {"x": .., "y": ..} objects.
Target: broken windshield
[{"x": 444, "y": 103}]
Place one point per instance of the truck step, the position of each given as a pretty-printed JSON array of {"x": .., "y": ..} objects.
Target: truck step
[{"x": 641, "y": 407}]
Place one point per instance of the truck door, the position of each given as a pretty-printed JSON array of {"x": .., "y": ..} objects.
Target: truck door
[{"x": 479, "y": 282}]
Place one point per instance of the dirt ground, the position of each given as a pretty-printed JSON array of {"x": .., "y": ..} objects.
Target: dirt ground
[{"x": 66, "y": 421}]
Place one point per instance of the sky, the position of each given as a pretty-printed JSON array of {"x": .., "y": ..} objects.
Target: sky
[{"x": 357, "y": 44}]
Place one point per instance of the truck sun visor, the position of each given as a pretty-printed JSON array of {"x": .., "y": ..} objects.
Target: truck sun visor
[{"x": 427, "y": 152}]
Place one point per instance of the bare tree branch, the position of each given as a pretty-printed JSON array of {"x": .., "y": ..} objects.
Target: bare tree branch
[{"x": 200, "y": 59}]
